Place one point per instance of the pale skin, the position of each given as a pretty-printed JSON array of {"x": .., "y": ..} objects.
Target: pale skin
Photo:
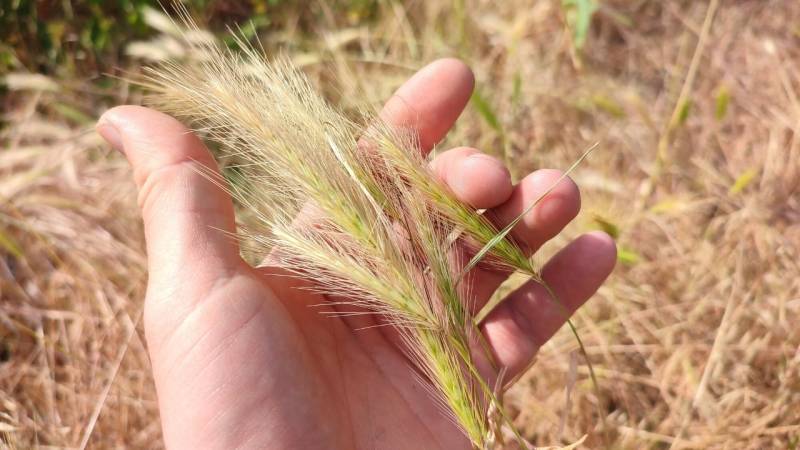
[{"x": 243, "y": 359}]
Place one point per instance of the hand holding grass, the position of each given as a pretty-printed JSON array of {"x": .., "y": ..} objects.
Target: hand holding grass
[{"x": 241, "y": 359}]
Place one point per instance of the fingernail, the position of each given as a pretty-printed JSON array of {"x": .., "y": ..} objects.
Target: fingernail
[{"x": 111, "y": 134}]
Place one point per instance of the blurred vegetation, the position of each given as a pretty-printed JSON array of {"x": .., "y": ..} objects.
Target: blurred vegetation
[
  {"x": 66, "y": 38},
  {"x": 79, "y": 43}
]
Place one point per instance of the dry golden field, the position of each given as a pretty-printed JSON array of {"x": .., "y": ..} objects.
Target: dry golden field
[{"x": 695, "y": 338}]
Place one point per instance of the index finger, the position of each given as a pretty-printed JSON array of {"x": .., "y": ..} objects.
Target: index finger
[{"x": 429, "y": 103}]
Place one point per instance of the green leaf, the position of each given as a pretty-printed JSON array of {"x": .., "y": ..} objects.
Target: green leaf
[
  {"x": 627, "y": 256},
  {"x": 742, "y": 181},
  {"x": 485, "y": 110},
  {"x": 686, "y": 108},
  {"x": 516, "y": 91},
  {"x": 608, "y": 105},
  {"x": 72, "y": 114},
  {"x": 793, "y": 443},
  {"x": 607, "y": 226},
  {"x": 669, "y": 205},
  {"x": 722, "y": 101},
  {"x": 10, "y": 245},
  {"x": 579, "y": 17}
]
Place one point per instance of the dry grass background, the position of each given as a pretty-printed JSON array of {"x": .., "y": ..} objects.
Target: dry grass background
[{"x": 695, "y": 336}]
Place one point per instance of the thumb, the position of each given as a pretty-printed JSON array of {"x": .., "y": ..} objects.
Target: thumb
[{"x": 187, "y": 218}]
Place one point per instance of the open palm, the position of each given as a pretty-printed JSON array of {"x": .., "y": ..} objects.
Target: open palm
[{"x": 242, "y": 358}]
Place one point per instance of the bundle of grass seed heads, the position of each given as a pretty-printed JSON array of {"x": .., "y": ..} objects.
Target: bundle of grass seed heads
[{"x": 387, "y": 229}]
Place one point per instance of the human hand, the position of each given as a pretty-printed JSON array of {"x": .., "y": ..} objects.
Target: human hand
[{"x": 239, "y": 358}]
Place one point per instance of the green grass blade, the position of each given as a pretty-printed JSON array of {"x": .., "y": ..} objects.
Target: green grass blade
[
  {"x": 10, "y": 245},
  {"x": 574, "y": 330}
]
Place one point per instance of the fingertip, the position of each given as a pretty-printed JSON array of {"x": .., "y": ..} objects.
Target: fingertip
[
  {"x": 142, "y": 122},
  {"x": 600, "y": 235},
  {"x": 559, "y": 206},
  {"x": 110, "y": 114},
  {"x": 431, "y": 100},
  {"x": 124, "y": 116},
  {"x": 110, "y": 133},
  {"x": 112, "y": 125},
  {"x": 587, "y": 261},
  {"x": 550, "y": 215},
  {"x": 600, "y": 248},
  {"x": 481, "y": 180},
  {"x": 455, "y": 69},
  {"x": 151, "y": 139}
]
